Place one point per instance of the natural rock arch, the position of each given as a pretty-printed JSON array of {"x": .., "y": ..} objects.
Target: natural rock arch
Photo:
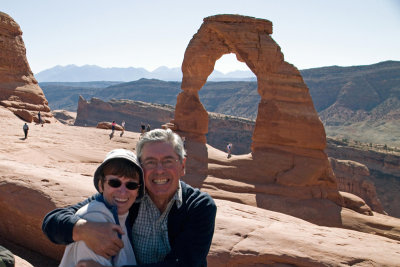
[
  {"x": 286, "y": 114},
  {"x": 288, "y": 142}
]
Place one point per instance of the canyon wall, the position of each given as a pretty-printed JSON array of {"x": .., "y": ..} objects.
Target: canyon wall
[{"x": 384, "y": 173}]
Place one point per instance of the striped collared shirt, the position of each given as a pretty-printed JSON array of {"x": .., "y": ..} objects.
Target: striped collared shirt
[{"x": 150, "y": 230}]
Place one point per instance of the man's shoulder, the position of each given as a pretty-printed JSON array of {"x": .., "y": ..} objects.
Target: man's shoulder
[{"x": 191, "y": 194}]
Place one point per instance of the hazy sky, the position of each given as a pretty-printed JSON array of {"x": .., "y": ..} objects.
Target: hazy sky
[{"x": 154, "y": 33}]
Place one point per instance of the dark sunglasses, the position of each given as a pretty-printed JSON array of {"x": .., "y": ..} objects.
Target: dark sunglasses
[{"x": 115, "y": 183}]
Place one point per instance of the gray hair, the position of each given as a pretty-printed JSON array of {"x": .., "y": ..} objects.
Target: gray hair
[{"x": 161, "y": 135}]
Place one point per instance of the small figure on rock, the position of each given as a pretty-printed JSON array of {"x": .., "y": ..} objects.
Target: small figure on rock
[
  {"x": 112, "y": 129},
  {"x": 148, "y": 128},
  {"x": 143, "y": 128},
  {"x": 123, "y": 128},
  {"x": 26, "y": 129},
  {"x": 229, "y": 150},
  {"x": 39, "y": 118}
]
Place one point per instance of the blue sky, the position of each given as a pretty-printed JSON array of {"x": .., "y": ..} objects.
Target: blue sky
[{"x": 154, "y": 33}]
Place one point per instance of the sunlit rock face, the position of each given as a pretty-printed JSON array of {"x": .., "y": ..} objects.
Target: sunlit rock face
[
  {"x": 288, "y": 141},
  {"x": 19, "y": 90}
]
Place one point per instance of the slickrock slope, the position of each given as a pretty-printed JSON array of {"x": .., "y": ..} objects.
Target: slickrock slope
[
  {"x": 19, "y": 90},
  {"x": 54, "y": 168}
]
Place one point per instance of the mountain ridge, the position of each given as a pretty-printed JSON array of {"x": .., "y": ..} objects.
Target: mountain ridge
[
  {"x": 88, "y": 73},
  {"x": 359, "y": 102}
]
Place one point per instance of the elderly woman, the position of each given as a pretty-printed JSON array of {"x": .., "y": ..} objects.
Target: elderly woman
[{"x": 119, "y": 180}]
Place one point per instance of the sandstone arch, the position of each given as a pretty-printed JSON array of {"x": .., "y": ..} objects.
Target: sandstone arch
[
  {"x": 287, "y": 128},
  {"x": 286, "y": 115}
]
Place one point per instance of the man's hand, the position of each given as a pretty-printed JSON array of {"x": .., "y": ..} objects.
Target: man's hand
[
  {"x": 88, "y": 263},
  {"x": 101, "y": 237}
]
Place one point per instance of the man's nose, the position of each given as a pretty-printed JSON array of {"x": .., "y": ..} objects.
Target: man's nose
[{"x": 160, "y": 167}]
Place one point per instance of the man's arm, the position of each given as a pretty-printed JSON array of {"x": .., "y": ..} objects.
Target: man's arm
[
  {"x": 192, "y": 242},
  {"x": 58, "y": 224},
  {"x": 62, "y": 226}
]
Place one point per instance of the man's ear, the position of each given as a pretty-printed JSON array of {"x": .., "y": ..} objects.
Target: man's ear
[{"x": 183, "y": 166}]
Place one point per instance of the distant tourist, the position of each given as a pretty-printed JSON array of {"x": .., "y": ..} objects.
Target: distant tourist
[
  {"x": 123, "y": 128},
  {"x": 229, "y": 150},
  {"x": 143, "y": 128},
  {"x": 148, "y": 128},
  {"x": 26, "y": 129},
  {"x": 112, "y": 129},
  {"x": 119, "y": 180},
  {"x": 39, "y": 118}
]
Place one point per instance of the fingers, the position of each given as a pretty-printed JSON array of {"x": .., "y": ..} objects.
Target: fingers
[
  {"x": 102, "y": 237},
  {"x": 117, "y": 229}
]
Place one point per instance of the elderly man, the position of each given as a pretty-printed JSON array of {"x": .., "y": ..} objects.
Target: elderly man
[{"x": 173, "y": 224}]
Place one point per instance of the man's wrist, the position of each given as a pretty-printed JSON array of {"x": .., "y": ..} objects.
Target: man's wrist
[{"x": 78, "y": 230}]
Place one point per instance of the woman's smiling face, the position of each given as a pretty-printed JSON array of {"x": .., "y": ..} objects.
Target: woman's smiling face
[{"x": 121, "y": 196}]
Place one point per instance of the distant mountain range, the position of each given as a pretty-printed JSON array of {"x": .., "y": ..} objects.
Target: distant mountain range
[
  {"x": 88, "y": 73},
  {"x": 359, "y": 103}
]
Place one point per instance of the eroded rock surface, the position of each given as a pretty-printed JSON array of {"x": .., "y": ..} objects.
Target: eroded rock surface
[
  {"x": 288, "y": 141},
  {"x": 353, "y": 177},
  {"x": 90, "y": 113},
  {"x": 19, "y": 90},
  {"x": 55, "y": 165}
]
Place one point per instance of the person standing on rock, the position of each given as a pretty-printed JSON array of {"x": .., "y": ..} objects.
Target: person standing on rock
[
  {"x": 39, "y": 118},
  {"x": 142, "y": 128},
  {"x": 112, "y": 129},
  {"x": 148, "y": 128},
  {"x": 119, "y": 180},
  {"x": 229, "y": 150},
  {"x": 26, "y": 129},
  {"x": 173, "y": 225},
  {"x": 123, "y": 128}
]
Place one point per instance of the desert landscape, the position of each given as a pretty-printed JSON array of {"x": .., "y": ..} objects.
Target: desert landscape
[{"x": 277, "y": 206}]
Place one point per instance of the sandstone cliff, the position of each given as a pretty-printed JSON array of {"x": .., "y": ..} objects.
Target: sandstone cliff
[
  {"x": 19, "y": 90},
  {"x": 384, "y": 174},
  {"x": 222, "y": 128}
]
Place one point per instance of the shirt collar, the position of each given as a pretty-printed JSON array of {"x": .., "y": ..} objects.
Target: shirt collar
[{"x": 177, "y": 198}]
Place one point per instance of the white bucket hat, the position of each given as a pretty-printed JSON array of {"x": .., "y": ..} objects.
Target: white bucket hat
[{"x": 121, "y": 154}]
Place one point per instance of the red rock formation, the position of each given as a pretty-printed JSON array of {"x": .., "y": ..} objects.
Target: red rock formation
[
  {"x": 289, "y": 139},
  {"x": 353, "y": 177},
  {"x": 384, "y": 169},
  {"x": 90, "y": 113},
  {"x": 108, "y": 125},
  {"x": 19, "y": 90}
]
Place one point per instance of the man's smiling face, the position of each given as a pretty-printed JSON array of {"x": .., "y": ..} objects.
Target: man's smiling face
[{"x": 162, "y": 170}]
